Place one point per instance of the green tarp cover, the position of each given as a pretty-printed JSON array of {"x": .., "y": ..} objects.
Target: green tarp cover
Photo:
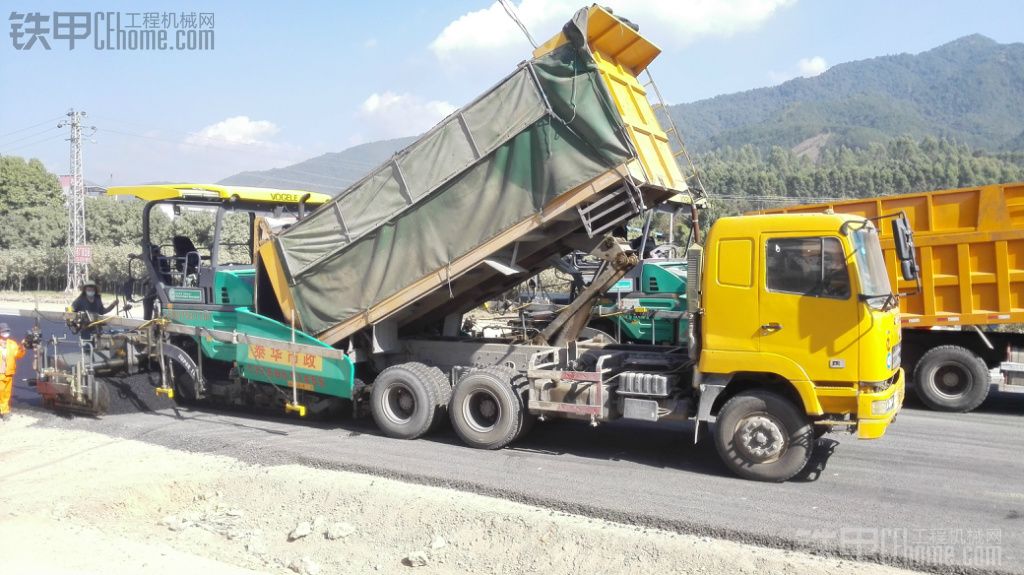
[{"x": 544, "y": 130}]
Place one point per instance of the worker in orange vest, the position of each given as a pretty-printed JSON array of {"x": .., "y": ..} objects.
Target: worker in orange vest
[{"x": 10, "y": 352}]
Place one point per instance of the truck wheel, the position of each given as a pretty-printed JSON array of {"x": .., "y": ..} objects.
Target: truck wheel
[
  {"x": 488, "y": 407},
  {"x": 951, "y": 378},
  {"x": 404, "y": 400},
  {"x": 763, "y": 436}
]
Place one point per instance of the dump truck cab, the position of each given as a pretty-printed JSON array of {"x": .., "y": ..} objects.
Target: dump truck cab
[{"x": 801, "y": 305}]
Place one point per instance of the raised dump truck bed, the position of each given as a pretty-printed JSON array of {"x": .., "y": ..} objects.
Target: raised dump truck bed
[
  {"x": 970, "y": 245},
  {"x": 546, "y": 162}
]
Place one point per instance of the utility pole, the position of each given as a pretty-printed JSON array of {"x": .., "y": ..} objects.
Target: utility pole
[{"x": 78, "y": 255}]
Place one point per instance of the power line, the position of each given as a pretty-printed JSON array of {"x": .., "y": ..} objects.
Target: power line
[
  {"x": 342, "y": 182},
  {"x": 30, "y": 136},
  {"x": 211, "y": 147},
  {"x": 188, "y": 134},
  {"x": 50, "y": 121},
  {"x": 254, "y": 145},
  {"x": 511, "y": 11},
  {"x": 181, "y": 143},
  {"x": 29, "y": 144},
  {"x": 782, "y": 198}
]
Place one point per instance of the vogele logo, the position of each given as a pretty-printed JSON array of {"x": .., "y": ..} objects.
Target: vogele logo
[{"x": 112, "y": 31}]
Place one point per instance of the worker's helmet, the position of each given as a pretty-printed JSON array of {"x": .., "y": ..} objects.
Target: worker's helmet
[
  {"x": 4, "y": 327},
  {"x": 89, "y": 284}
]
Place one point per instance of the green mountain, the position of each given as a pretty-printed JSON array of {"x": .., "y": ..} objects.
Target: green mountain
[
  {"x": 970, "y": 90},
  {"x": 329, "y": 173}
]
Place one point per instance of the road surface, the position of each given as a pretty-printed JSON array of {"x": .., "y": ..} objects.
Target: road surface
[{"x": 941, "y": 491}]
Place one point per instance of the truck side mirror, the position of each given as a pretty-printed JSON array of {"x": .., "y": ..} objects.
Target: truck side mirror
[
  {"x": 903, "y": 240},
  {"x": 909, "y": 270}
]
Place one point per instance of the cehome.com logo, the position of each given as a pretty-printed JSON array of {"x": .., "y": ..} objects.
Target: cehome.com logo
[{"x": 112, "y": 31}]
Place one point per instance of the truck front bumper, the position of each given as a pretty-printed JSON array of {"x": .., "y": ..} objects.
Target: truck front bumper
[{"x": 876, "y": 410}]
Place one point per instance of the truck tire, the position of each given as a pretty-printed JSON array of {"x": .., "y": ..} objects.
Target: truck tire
[
  {"x": 444, "y": 395},
  {"x": 951, "y": 378},
  {"x": 404, "y": 400},
  {"x": 488, "y": 407},
  {"x": 763, "y": 436}
]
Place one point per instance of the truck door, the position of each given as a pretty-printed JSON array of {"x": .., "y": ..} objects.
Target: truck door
[{"x": 807, "y": 308}]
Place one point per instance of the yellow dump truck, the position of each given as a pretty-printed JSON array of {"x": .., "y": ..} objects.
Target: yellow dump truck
[
  {"x": 970, "y": 244},
  {"x": 362, "y": 299}
]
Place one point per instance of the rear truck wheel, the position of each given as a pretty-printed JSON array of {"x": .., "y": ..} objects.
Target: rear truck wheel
[
  {"x": 763, "y": 436},
  {"x": 488, "y": 407},
  {"x": 951, "y": 378},
  {"x": 404, "y": 400}
]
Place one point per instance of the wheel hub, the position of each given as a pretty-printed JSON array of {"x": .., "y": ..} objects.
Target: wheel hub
[
  {"x": 481, "y": 411},
  {"x": 952, "y": 380},
  {"x": 761, "y": 438},
  {"x": 405, "y": 402},
  {"x": 399, "y": 404}
]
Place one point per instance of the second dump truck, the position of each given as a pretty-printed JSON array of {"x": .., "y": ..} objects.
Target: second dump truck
[
  {"x": 311, "y": 304},
  {"x": 970, "y": 243}
]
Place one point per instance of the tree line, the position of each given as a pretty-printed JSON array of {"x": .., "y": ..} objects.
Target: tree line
[
  {"x": 33, "y": 232},
  {"x": 744, "y": 179},
  {"x": 34, "y": 220}
]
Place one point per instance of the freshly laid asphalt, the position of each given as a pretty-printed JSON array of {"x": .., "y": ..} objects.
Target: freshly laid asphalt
[{"x": 941, "y": 492}]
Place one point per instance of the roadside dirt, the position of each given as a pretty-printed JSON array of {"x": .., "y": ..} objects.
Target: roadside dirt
[{"x": 79, "y": 502}]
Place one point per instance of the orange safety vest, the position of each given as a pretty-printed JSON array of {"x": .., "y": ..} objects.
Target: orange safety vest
[{"x": 10, "y": 352}]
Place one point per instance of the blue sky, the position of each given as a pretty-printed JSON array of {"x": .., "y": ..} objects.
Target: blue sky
[{"x": 288, "y": 82}]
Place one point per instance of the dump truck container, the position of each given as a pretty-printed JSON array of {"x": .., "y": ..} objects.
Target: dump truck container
[
  {"x": 548, "y": 160},
  {"x": 970, "y": 245}
]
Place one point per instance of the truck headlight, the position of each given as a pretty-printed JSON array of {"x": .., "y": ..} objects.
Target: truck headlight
[{"x": 883, "y": 406}]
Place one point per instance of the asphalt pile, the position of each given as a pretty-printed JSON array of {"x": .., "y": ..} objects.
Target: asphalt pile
[{"x": 136, "y": 394}]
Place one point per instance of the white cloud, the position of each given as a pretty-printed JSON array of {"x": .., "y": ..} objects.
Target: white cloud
[
  {"x": 236, "y": 130},
  {"x": 390, "y": 115},
  {"x": 232, "y": 145},
  {"x": 812, "y": 66},
  {"x": 673, "y": 22},
  {"x": 805, "y": 68},
  {"x": 370, "y": 43}
]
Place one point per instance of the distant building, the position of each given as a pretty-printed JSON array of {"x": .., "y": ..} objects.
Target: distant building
[{"x": 92, "y": 189}]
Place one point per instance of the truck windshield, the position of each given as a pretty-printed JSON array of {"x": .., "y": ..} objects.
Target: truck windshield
[{"x": 874, "y": 279}]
